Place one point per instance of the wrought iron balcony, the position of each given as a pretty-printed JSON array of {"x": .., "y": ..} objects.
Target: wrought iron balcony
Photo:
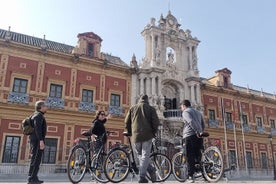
[
  {"x": 260, "y": 129},
  {"x": 246, "y": 127},
  {"x": 21, "y": 98},
  {"x": 54, "y": 102},
  {"x": 229, "y": 125},
  {"x": 213, "y": 123},
  {"x": 115, "y": 110},
  {"x": 273, "y": 131},
  {"x": 175, "y": 113},
  {"x": 87, "y": 106}
]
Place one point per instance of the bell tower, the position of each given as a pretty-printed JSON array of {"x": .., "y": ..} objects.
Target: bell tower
[{"x": 169, "y": 72}]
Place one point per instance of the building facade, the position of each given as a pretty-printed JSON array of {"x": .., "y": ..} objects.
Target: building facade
[
  {"x": 240, "y": 120},
  {"x": 75, "y": 82}
]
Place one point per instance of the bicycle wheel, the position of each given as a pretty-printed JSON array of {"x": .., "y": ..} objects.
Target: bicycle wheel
[
  {"x": 162, "y": 166},
  {"x": 180, "y": 167},
  {"x": 97, "y": 165},
  {"x": 212, "y": 166},
  {"x": 117, "y": 165},
  {"x": 76, "y": 164}
]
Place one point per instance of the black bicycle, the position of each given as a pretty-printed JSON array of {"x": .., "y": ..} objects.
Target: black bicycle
[
  {"x": 121, "y": 161},
  {"x": 81, "y": 160},
  {"x": 210, "y": 166}
]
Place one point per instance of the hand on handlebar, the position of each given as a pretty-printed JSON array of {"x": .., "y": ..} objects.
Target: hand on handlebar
[{"x": 199, "y": 135}]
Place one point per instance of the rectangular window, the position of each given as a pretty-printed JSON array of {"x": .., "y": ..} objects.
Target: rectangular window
[
  {"x": 232, "y": 157},
  {"x": 50, "y": 151},
  {"x": 264, "y": 160},
  {"x": 249, "y": 159},
  {"x": 244, "y": 119},
  {"x": 228, "y": 117},
  {"x": 20, "y": 85},
  {"x": 272, "y": 123},
  {"x": 115, "y": 100},
  {"x": 56, "y": 91},
  {"x": 87, "y": 95},
  {"x": 11, "y": 149},
  {"x": 211, "y": 114},
  {"x": 259, "y": 121}
]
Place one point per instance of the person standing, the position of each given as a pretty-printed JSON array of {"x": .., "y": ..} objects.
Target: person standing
[
  {"x": 37, "y": 141},
  {"x": 142, "y": 124},
  {"x": 98, "y": 129},
  {"x": 192, "y": 131}
]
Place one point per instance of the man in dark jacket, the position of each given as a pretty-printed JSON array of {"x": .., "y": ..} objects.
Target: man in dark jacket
[
  {"x": 37, "y": 141},
  {"x": 142, "y": 123}
]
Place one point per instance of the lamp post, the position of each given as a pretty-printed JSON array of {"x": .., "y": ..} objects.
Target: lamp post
[{"x": 274, "y": 169}]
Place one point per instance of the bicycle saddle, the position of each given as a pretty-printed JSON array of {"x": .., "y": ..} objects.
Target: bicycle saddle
[
  {"x": 86, "y": 133},
  {"x": 126, "y": 134},
  {"x": 205, "y": 134}
]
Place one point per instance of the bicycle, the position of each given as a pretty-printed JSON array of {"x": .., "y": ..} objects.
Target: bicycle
[
  {"x": 80, "y": 161},
  {"x": 210, "y": 166},
  {"x": 121, "y": 161}
]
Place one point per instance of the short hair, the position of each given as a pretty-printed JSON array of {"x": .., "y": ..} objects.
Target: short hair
[
  {"x": 144, "y": 97},
  {"x": 187, "y": 103},
  {"x": 39, "y": 104}
]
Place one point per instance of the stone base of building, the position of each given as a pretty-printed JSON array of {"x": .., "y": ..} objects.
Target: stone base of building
[{"x": 24, "y": 168}]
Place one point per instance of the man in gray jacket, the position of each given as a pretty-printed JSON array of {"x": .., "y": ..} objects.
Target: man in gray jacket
[
  {"x": 192, "y": 131},
  {"x": 142, "y": 123}
]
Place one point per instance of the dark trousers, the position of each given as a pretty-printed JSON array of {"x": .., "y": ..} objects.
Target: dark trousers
[
  {"x": 36, "y": 155},
  {"x": 193, "y": 149}
]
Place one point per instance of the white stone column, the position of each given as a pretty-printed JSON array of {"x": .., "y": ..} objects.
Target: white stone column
[
  {"x": 141, "y": 85},
  {"x": 153, "y": 86},
  {"x": 190, "y": 58},
  {"x": 152, "y": 49},
  {"x": 198, "y": 94},
  {"x": 148, "y": 88},
  {"x": 192, "y": 93},
  {"x": 135, "y": 89},
  {"x": 159, "y": 87}
]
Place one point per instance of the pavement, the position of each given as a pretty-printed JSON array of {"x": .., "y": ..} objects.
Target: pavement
[{"x": 63, "y": 178}]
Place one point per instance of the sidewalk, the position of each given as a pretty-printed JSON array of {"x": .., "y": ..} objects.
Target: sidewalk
[{"x": 63, "y": 178}]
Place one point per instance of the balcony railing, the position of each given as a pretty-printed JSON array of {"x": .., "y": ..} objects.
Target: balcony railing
[
  {"x": 21, "y": 98},
  {"x": 55, "y": 102},
  {"x": 213, "y": 123},
  {"x": 87, "y": 106},
  {"x": 260, "y": 129},
  {"x": 273, "y": 131},
  {"x": 229, "y": 125},
  {"x": 176, "y": 113},
  {"x": 115, "y": 110},
  {"x": 246, "y": 127}
]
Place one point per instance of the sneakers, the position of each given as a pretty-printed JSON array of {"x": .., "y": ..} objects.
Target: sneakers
[
  {"x": 143, "y": 180},
  {"x": 191, "y": 179},
  {"x": 152, "y": 176}
]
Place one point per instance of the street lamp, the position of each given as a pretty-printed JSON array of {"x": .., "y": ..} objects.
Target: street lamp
[{"x": 274, "y": 169}]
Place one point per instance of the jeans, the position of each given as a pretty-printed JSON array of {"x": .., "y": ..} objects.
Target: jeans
[{"x": 143, "y": 150}]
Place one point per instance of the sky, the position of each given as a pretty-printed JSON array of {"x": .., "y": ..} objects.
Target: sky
[{"x": 237, "y": 34}]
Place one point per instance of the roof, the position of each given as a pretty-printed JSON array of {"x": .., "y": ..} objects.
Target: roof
[{"x": 51, "y": 45}]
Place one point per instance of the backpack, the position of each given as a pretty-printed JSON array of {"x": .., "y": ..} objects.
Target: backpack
[{"x": 27, "y": 126}]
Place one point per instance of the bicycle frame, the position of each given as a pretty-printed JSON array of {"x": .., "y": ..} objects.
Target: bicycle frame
[{"x": 210, "y": 165}]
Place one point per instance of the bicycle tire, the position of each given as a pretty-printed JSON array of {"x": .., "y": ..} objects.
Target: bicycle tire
[
  {"x": 180, "y": 167},
  {"x": 97, "y": 169},
  {"x": 212, "y": 167},
  {"x": 76, "y": 164},
  {"x": 162, "y": 166},
  {"x": 117, "y": 165}
]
